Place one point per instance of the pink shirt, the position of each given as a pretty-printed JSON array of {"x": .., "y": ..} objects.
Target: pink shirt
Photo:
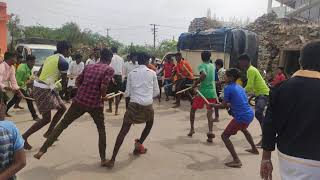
[{"x": 8, "y": 76}]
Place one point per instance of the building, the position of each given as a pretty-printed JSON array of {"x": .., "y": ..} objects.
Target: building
[
  {"x": 305, "y": 10},
  {"x": 199, "y": 24}
]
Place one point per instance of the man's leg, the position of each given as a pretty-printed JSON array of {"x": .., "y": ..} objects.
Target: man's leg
[
  {"x": 12, "y": 102},
  {"x": 17, "y": 104},
  {"x": 46, "y": 118},
  {"x": 248, "y": 136},
  {"x": 117, "y": 99},
  {"x": 179, "y": 87},
  {"x": 261, "y": 103},
  {"x": 216, "y": 113},
  {"x": 236, "y": 161},
  {"x": 210, "y": 134},
  {"x": 56, "y": 118},
  {"x": 122, "y": 134},
  {"x": 146, "y": 131},
  {"x": 110, "y": 105},
  {"x": 192, "y": 117},
  {"x": 98, "y": 118},
  {"x": 73, "y": 113},
  {"x": 68, "y": 94}
]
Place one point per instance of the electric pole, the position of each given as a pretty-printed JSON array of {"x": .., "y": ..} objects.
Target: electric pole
[
  {"x": 154, "y": 32},
  {"x": 108, "y": 30}
]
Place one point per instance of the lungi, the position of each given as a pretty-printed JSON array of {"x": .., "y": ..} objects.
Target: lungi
[
  {"x": 46, "y": 99},
  {"x": 292, "y": 168},
  {"x": 138, "y": 114}
]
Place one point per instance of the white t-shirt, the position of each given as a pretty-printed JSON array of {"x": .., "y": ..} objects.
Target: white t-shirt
[{"x": 117, "y": 63}]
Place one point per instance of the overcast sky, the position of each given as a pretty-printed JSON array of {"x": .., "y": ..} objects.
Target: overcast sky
[{"x": 129, "y": 19}]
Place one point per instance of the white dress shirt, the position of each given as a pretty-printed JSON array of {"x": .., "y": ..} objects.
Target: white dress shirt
[
  {"x": 74, "y": 71},
  {"x": 117, "y": 63},
  {"x": 90, "y": 61},
  {"x": 128, "y": 67},
  {"x": 142, "y": 86}
]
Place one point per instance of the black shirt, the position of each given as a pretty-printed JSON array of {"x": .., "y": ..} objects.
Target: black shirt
[{"x": 293, "y": 118}]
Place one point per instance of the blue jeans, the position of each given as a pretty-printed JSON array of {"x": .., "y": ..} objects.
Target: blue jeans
[
  {"x": 261, "y": 102},
  {"x": 168, "y": 89}
]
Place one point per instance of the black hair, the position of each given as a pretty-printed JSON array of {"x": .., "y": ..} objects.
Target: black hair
[
  {"x": 244, "y": 57},
  {"x": 19, "y": 56},
  {"x": 233, "y": 72},
  {"x": 178, "y": 54},
  {"x": 114, "y": 50},
  {"x": 106, "y": 54},
  {"x": 30, "y": 58},
  {"x": 142, "y": 58},
  {"x": 205, "y": 56},
  {"x": 9, "y": 55},
  {"x": 63, "y": 46},
  {"x": 219, "y": 62},
  {"x": 281, "y": 68},
  {"x": 77, "y": 56},
  {"x": 310, "y": 54}
]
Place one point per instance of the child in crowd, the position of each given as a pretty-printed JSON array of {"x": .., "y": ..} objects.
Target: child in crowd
[{"x": 236, "y": 99}]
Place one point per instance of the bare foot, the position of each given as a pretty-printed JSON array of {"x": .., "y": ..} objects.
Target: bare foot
[
  {"x": 18, "y": 107},
  {"x": 253, "y": 151},
  {"x": 103, "y": 163},
  {"x": 216, "y": 120},
  {"x": 46, "y": 135},
  {"x": 210, "y": 137},
  {"x": 109, "y": 111},
  {"x": 8, "y": 115},
  {"x": 38, "y": 155},
  {"x": 116, "y": 113},
  {"x": 109, "y": 164},
  {"x": 234, "y": 164},
  {"x": 27, "y": 146},
  {"x": 176, "y": 106},
  {"x": 191, "y": 133}
]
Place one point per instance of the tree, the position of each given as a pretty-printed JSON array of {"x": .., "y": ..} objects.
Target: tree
[{"x": 15, "y": 29}]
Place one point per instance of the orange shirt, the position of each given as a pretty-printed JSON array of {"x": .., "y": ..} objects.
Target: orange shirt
[{"x": 185, "y": 69}]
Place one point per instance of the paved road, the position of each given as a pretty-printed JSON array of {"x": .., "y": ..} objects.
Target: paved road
[{"x": 171, "y": 156}]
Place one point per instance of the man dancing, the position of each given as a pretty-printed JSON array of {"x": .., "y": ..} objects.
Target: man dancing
[
  {"x": 92, "y": 83},
  {"x": 44, "y": 92},
  {"x": 142, "y": 87},
  {"x": 208, "y": 90}
]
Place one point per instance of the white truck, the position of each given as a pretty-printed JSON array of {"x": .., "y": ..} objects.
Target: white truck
[{"x": 40, "y": 48}]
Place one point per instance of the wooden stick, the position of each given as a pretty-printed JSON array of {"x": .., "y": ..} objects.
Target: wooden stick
[
  {"x": 184, "y": 90},
  {"x": 201, "y": 95},
  {"x": 110, "y": 94},
  {"x": 168, "y": 85},
  {"x": 28, "y": 98},
  {"x": 115, "y": 95}
]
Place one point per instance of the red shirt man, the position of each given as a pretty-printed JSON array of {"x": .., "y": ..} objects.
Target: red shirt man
[{"x": 279, "y": 77}]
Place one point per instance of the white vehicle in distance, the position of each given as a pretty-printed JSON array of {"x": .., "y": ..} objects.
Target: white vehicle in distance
[{"x": 40, "y": 48}]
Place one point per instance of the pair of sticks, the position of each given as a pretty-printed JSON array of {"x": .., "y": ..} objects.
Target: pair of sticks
[
  {"x": 112, "y": 95},
  {"x": 198, "y": 92}
]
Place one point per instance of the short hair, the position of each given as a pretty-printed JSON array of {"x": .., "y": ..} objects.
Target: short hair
[
  {"x": 206, "y": 55},
  {"x": 142, "y": 58},
  {"x": 114, "y": 50},
  {"x": 244, "y": 57},
  {"x": 19, "y": 56},
  {"x": 106, "y": 54},
  {"x": 310, "y": 54},
  {"x": 219, "y": 62},
  {"x": 63, "y": 46},
  {"x": 281, "y": 68},
  {"x": 77, "y": 56},
  {"x": 233, "y": 72},
  {"x": 30, "y": 58},
  {"x": 9, "y": 55},
  {"x": 178, "y": 54}
]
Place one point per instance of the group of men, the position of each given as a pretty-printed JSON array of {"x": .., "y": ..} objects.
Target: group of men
[{"x": 289, "y": 123}]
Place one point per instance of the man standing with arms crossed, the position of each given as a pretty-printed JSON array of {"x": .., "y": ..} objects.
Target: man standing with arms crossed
[{"x": 257, "y": 85}]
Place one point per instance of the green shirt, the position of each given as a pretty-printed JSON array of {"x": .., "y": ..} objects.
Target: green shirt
[
  {"x": 208, "y": 86},
  {"x": 23, "y": 75},
  {"x": 256, "y": 83}
]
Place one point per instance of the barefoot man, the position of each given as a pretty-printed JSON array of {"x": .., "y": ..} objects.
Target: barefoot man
[
  {"x": 44, "y": 91},
  {"x": 92, "y": 83},
  {"x": 142, "y": 87},
  {"x": 236, "y": 99},
  {"x": 208, "y": 90}
]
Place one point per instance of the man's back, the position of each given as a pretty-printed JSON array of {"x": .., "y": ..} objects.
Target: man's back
[
  {"x": 207, "y": 86},
  {"x": 295, "y": 113},
  {"x": 91, "y": 78},
  {"x": 142, "y": 85},
  {"x": 256, "y": 83},
  {"x": 117, "y": 64}
]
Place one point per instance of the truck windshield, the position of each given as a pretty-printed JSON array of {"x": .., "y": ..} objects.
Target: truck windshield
[{"x": 41, "y": 55}]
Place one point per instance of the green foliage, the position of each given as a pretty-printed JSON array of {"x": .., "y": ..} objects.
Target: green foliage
[{"x": 81, "y": 39}]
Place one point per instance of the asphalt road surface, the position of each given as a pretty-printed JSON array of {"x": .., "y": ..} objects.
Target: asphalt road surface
[{"x": 171, "y": 154}]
